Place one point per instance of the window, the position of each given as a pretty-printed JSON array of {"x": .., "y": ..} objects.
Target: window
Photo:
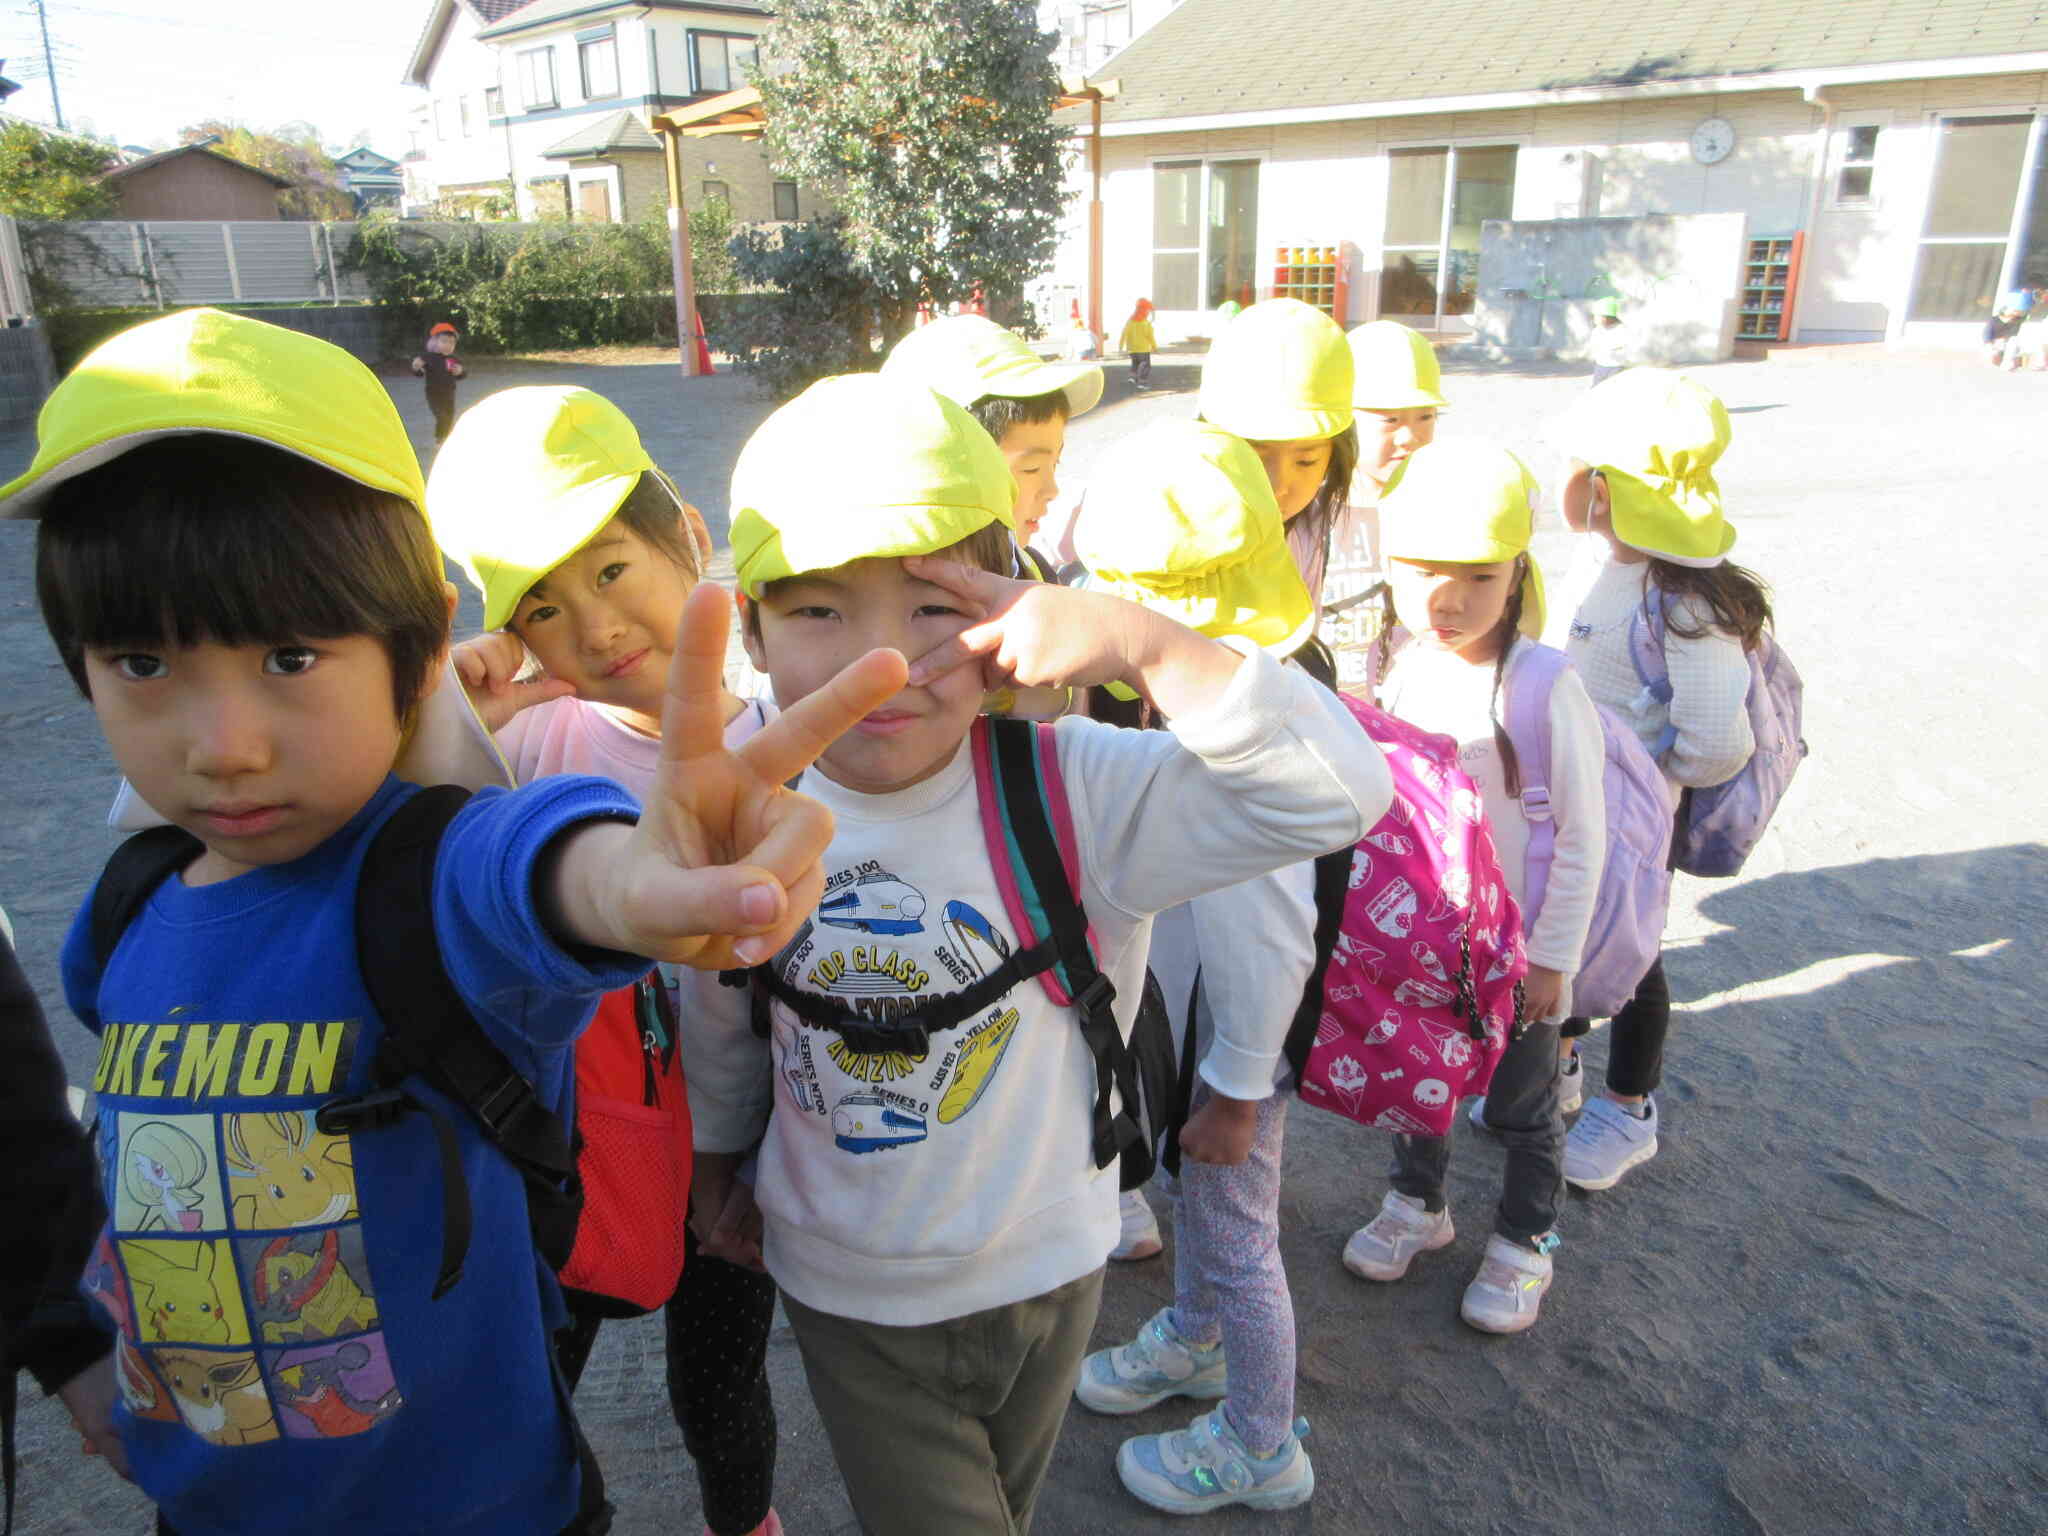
[
  {"x": 537, "y": 77},
  {"x": 598, "y": 58},
  {"x": 468, "y": 124},
  {"x": 1438, "y": 197},
  {"x": 720, "y": 61},
  {"x": 494, "y": 101},
  {"x": 1856, "y": 180},
  {"x": 785, "y": 200},
  {"x": 1204, "y": 227},
  {"x": 715, "y": 192},
  {"x": 1978, "y": 168},
  {"x": 440, "y": 119}
]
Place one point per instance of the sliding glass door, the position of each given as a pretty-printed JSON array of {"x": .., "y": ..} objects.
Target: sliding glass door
[{"x": 1437, "y": 199}]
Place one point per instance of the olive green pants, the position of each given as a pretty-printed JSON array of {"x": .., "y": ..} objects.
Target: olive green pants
[{"x": 948, "y": 1427}]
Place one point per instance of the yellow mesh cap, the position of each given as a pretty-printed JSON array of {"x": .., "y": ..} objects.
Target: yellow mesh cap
[
  {"x": 1394, "y": 368},
  {"x": 526, "y": 479},
  {"x": 1279, "y": 373},
  {"x": 965, "y": 357},
  {"x": 203, "y": 370},
  {"x": 859, "y": 467},
  {"x": 1465, "y": 502},
  {"x": 1655, "y": 435},
  {"x": 1181, "y": 518}
]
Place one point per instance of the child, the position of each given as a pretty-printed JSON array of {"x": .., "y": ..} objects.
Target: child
[
  {"x": 2031, "y": 344},
  {"x": 2001, "y": 332},
  {"x": 234, "y": 567},
  {"x": 585, "y": 555},
  {"x": 940, "y": 1251},
  {"x": 1608, "y": 345},
  {"x": 1639, "y": 483},
  {"x": 1457, "y": 527},
  {"x": 1139, "y": 343},
  {"x": 1024, "y": 403},
  {"x": 1197, "y": 535},
  {"x": 440, "y": 368}
]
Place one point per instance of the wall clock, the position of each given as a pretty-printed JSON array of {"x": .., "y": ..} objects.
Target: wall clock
[{"x": 1713, "y": 141}]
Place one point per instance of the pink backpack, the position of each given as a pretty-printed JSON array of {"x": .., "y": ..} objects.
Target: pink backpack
[{"x": 1417, "y": 985}]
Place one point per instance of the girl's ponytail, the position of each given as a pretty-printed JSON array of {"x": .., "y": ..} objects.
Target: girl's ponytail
[
  {"x": 1737, "y": 599},
  {"x": 1510, "y": 626}
]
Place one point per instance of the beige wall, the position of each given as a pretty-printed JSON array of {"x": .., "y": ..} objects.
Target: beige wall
[{"x": 196, "y": 187}]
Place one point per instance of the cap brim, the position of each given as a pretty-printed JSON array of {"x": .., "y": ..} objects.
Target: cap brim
[
  {"x": 1081, "y": 383},
  {"x": 580, "y": 515}
]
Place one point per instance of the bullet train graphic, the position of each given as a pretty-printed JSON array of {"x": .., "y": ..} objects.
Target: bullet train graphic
[
  {"x": 862, "y": 1122},
  {"x": 875, "y": 904}
]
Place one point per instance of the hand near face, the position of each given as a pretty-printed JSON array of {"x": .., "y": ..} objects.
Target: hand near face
[{"x": 489, "y": 667}]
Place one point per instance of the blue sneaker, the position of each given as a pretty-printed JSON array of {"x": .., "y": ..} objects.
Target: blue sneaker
[
  {"x": 1154, "y": 1366},
  {"x": 1206, "y": 1466}
]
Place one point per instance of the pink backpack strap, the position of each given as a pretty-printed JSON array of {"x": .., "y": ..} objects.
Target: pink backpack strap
[{"x": 1020, "y": 897}]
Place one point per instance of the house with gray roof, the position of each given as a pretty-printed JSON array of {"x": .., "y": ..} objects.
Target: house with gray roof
[{"x": 1894, "y": 146}]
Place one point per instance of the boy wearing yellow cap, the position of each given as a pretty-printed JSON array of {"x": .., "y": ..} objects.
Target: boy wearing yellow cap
[
  {"x": 1639, "y": 455},
  {"x": 1196, "y": 534},
  {"x": 1457, "y": 523},
  {"x": 233, "y": 564},
  {"x": 956, "y": 1239}
]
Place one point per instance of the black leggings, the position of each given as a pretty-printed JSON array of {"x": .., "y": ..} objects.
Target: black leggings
[
  {"x": 717, "y": 1327},
  {"x": 1635, "y": 1054}
]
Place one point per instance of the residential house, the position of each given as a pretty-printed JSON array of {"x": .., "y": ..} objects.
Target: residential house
[
  {"x": 547, "y": 104},
  {"x": 1092, "y": 30},
  {"x": 194, "y": 181},
  {"x": 373, "y": 180},
  {"x": 1904, "y": 142}
]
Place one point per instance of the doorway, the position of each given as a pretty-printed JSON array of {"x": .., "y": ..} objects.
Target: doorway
[
  {"x": 1437, "y": 198},
  {"x": 1986, "y": 229}
]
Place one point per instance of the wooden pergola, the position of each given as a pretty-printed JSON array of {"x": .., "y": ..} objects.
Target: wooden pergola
[{"x": 741, "y": 115}]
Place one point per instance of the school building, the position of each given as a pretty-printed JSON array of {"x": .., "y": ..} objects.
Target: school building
[{"x": 1885, "y": 157}]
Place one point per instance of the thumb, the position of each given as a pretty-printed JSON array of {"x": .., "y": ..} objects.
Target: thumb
[
  {"x": 543, "y": 690},
  {"x": 679, "y": 908}
]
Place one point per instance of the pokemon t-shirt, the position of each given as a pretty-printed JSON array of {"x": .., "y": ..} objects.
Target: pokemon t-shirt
[{"x": 282, "y": 1364}]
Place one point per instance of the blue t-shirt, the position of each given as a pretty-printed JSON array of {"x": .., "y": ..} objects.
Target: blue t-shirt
[{"x": 282, "y": 1365}]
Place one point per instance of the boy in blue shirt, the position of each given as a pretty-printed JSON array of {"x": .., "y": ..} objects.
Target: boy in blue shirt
[{"x": 234, "y": 565}]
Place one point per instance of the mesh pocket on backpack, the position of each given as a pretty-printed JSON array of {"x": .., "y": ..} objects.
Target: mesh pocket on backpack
[{"x": 636, "y": 1187}]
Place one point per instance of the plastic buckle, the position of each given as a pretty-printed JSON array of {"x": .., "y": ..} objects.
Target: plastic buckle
[
  {"x": 1099, "y": 993},
  {"x": 1536, "y": 804},
  {"x": 362, "y": 1112},
  {"x": 504, "y": 1104}
]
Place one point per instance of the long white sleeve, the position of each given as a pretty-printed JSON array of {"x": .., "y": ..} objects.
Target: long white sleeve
[
  {"x": 1556, "y": 936},
  {"x": 1257, "y": 943}
]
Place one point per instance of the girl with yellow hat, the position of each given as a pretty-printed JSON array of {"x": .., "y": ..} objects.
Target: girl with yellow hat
[
  {"x": 1638, "y": 482},
  {"x": 1457, "y": 525}
]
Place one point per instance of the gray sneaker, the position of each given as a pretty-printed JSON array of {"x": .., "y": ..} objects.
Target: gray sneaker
[
  {"x": 1154, "y": 1366},
  {"x": 1206, "y": 1466},
  {"x": 1606, "y": 1142},
  {"x": 1384, "y": 1247}
]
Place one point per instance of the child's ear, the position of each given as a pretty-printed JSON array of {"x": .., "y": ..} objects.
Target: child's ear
[
  {"x": 697, "y": 534},
  {"x": 750, "y": 631}
]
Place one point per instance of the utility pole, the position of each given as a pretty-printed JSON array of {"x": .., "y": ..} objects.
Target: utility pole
[{"x": 50, "y": 63}]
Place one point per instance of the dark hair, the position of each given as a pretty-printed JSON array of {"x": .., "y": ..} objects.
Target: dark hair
[
  {"x": 989, "y": 548},
  {"x": 655, "y": 513},
  {"x": 206, "y": 537},
  {"x": 999, "y": 413},
  {"x": 1509, "y": 626},
  {"x": 1334, "y": 493},
  {"x": 1737, "y": 598}
]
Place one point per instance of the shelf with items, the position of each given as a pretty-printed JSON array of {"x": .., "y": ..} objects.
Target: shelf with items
[
  {"x": 1770, "y": 280},
  {"x": 1318, "y": 275}
]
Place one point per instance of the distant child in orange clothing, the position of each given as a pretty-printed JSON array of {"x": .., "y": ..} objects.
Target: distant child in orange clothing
[
  {"x": 440, "y": 368},
  {"x": 1140, "y": 342}
]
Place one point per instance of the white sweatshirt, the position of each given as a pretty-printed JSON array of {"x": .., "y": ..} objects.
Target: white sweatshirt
[
  {"x": 1442, "y": 692},
  {"x": 1709, "y": 674},
  {"x": 903, "y": 1190},
  {"x": 575, "y": 736}
]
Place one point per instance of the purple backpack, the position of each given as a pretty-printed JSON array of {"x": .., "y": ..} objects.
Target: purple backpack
[
  {"x": 1719, "y": 825},
  {"x": 1635, "y": 876}
]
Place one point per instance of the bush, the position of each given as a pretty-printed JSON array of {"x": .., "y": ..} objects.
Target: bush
[{"x": 824, "y": 316}]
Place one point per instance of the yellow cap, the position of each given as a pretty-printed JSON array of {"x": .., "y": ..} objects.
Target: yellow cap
[
  {"x": 526, "y": 479},
  {"x": 861, "y": 467},
  {"x": 965, "y": 357},
  {"x": 1465, "y": 502},
  {"x": 1181, "y": 518},
  {"x": 1395, "y": 369},
  {"x": 203, "y": 370},
  {"x": 1278, "y": 373},
  {"x": 1655, "y": 436}
]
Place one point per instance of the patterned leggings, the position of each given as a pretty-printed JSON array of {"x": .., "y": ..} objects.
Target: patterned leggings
[{"x": 1228, "y": 1281}]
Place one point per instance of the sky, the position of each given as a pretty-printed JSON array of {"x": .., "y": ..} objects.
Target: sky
[{"x": 137, "y": 71}]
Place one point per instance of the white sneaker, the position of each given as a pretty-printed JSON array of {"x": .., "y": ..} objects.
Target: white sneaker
[
  {"x": 1138, "y": 1237},
  {"x": 1570, "y": 1094},
  {"x": 1607, "y": 1141},
  {"x": 1506, "y": 1293},
  {"x": 1206, "y": 1466},
  {"x": 1384, "y": 1247},
  {"x": 1154, "y": 1366}
]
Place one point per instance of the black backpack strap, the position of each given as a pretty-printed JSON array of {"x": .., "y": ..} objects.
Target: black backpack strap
[
  {"x": 1333, "y": 884},
  {"x": 1184, "y": 1086},
  {"x": 141, "y": 864},
  {"x": 908, "y": 1031},
  {"x": 430, "y": 1033},
  {"x": 1015, "y": 746}
]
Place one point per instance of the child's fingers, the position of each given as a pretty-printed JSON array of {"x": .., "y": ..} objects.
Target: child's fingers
[
  {"x": 976, "y": 588},
  {"x": 949, "y": 655},
  {"x": 471, "y": 668},
  {"x": 798, "y": 736},
  {"x": 693, "y": 714}
]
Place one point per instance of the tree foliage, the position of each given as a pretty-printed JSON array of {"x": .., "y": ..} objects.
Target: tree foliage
[
  {"x": 53, "y": 175},
  {"x": 317, "y": 189},
  {"x": 820, "y": 317},
  {"x": 928, "y": 123}
]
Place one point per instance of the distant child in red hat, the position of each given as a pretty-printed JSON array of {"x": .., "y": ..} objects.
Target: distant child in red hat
[{"x": 440, "y": 368}]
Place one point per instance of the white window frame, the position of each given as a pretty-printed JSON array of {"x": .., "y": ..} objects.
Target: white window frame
[
  {"x": 583, "y": 45},
  {"x": 1206, "y": 158},
  {"x": 1521, "y": 143},
  {"x": 1914, "y": 220},
  {"x": 690, "y": 37},
  {"x": 1839, "y": 161},
  {"x": 499, "y": 110},
  {"x": 526, "y": 94}
]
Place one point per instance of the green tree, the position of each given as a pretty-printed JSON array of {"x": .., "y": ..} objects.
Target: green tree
[
  {"x": 293, "y": 152},
  {"x": 928, "y": 123},
  {"x": 819, "y": 316},
  {"x": 53, "y": 175},
  {"x": 711, "y": 268}
]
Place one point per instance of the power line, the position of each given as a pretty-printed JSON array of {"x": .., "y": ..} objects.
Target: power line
[{"x": 50, "y": 63}]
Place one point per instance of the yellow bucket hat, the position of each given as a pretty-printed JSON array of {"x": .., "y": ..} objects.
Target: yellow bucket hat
[
  {"x": 1394, "y": 368},
  {"x": 1655, "y": 436},
  {"x": 1466, "y": 502},
  {"x": 526, "y": 479},
  {"x": 204, "y": 370},
  {"x": 1181, "y": 518},
  {"x": 1279, "y": 373},
  {"x": 861, "y": 467},
  {"x": 965, "y": 357}
]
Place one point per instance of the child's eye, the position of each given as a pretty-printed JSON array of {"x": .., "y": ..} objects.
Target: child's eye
[
  {"x": 290, "y": 660},
  {"x": 138, "y": 667},
  {"x": 937, "y": 611},
  {"x": 611, "y": 572},
  {"x": 540, "y": 615},
  {"x": 812, "y": 611}
]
